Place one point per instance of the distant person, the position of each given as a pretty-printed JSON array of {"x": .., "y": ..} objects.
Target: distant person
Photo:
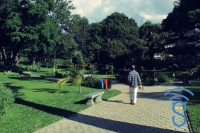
[{"x": 133, "y": 78}]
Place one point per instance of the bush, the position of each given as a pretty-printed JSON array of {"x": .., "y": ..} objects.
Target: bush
[
  {"x": 49, "y": 72},
  {"x": 91, "y": 81},
  {"x": 150, "y": 81},
  {"x": 6, "y": 99},
  {"x": 123, "y": 79},
  {"x": 162, "y": 78},
  {"x": 60, "y": 74},
  {"x": 175, "y": 67},
  {"x": 11, "y": 73}
]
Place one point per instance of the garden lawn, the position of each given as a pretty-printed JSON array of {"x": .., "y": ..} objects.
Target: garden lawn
[
  {"x": 104, "y": 76},
  {"x": 38, "y": 104},
  {"x": 193, "y": 105}
]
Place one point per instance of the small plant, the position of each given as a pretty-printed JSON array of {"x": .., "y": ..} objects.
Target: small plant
[
  {"x": 110, "y": 68},
  {"x": 6, "y": 99},
  {"x": 91, "y": 81},
  {"x": 150, "y": 81},
  {"x": 162, "y": 78},
  {"x": 50, "y": 73},
  {"x": 60, "y": 74}
]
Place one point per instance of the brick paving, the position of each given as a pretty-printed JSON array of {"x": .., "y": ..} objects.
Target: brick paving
[{"x": 152, "y": 114}]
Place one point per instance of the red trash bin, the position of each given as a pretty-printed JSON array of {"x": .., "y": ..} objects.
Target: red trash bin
[{"x": 106, "y": 83}]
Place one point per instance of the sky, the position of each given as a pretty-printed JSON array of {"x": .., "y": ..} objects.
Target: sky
[{"x": 139, "y": 10}]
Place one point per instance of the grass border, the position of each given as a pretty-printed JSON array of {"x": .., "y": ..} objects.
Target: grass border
[{"x": 188, "y": 122}]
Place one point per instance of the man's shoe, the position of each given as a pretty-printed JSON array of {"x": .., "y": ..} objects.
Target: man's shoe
[{"x": 131, "y": 102}]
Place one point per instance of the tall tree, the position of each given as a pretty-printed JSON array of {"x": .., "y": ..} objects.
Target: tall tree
[
  {"x": 153, "y": 38},
  {"x": 80, "y": 30},
  {"x": 94, "y": 45},
  {"x": 180, "y": 18},
  {"x": 19, "y": 27},
  {"x": 184, "y": 18},
  {"x": 122, "y": 32}
]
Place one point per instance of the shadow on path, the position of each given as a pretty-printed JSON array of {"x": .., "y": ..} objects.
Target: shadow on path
[{"x": 112, "y": 125}]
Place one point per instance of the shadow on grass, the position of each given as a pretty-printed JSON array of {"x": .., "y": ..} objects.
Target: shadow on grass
[
  {"x": 49, "y": 90},
  {"x": 15, "y": 89},
  {"x": 47, "y": 109},
  {"x": 103, "y": 123},
  {"x": 84, "y": 101},
  {"x": 48, "y": 80},
  {"x": 193, "y": 99}
]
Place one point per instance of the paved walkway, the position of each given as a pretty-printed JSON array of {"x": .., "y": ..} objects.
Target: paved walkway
[{"x": 152, "y": 114}]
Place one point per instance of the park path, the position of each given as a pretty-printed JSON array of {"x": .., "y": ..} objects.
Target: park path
[{"x": 152, "y": 114}]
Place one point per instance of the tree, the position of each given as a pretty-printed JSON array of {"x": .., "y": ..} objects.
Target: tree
[
  {"x": 94, "y": 45},
  {"x": 123, "y": 31},
  {"x": 184, "y": 18},
  {"x": 75, "y": 71},
  {"x": 20, "y": 25},
  {"x": 153, "y": 38},
  {"x": 43, "y": 48},
  {"x": 180, "y": 18},
  {"x": 80, "y": 31},
  {"x": 62, "y": 12}
]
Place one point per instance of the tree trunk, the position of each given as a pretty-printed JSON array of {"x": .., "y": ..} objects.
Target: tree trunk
[
  {"x": 33, "y": 63},
  {"x": 18, "y": 60},
  {"x": 54, "y": 62},
  {"x": 80, "y": 91}
]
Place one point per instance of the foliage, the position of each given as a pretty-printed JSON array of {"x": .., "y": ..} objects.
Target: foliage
[
  {"x": 94, "y": 45},
  {"x": 38, "y": 103},
  {"x": 183, "y": 19},
  {"x": 153, "y": 38},
  {"x": 120, "y": 39},
  {"x": 6, "y": 99},
  {"x": 162, "y": 78},
  {"x": 183, "y": 16},
  {"x": 60, "y": 74},
  {"x": 110, "y": 68},
  {"x": 25, "y": 23},
  {"x": 80, "y": 32},
  {"x": 91, "y": 81},
  {"x": 75, "y": 71},
  {"x": 11, "y": 73},
  {"x": 175, "y": 67}
]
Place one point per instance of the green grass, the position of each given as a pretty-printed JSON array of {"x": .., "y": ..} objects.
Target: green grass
[
  {"x": 46, "y": 71},
  {"x": 105, "y": 76},
  {"x": 193, "y": 105},
  {"x": 38, "y": 104}
]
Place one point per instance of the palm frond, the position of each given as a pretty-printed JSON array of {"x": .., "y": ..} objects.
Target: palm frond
[{"x": 62, "y": 81}]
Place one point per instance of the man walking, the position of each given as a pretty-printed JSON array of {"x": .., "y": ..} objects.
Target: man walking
[{"x": 133, "y": 78}]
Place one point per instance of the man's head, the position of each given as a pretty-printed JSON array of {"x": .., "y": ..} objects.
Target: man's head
[{"x": 133, "y": 67}]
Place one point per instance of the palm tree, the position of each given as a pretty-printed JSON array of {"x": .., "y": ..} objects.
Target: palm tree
[{"x": 75, "y": 71}]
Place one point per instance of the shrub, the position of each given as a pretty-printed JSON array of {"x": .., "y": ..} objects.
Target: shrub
[
  {"x": 11, "y": 73},
  {"x": 91, "y": 81},
  {"x": 150, "y": 81},
  {"x": 175, "y": 67},
  {"x": 49, "y": 72},
  {"x": 162, "y": 78},
  {"x": 60, "y": 74},
  {"x": 123, "y": 79},
  {"x": 6, "y": 99}
]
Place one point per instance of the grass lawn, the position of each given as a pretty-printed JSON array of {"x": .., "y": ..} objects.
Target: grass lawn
[
  {"x": 193, "y": 105},
  {"x": 38, "y": 104},
  {"x": 105, "y": 76}
]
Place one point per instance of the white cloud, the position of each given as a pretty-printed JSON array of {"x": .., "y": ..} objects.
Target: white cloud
[{"x": 140, "y": 11}]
